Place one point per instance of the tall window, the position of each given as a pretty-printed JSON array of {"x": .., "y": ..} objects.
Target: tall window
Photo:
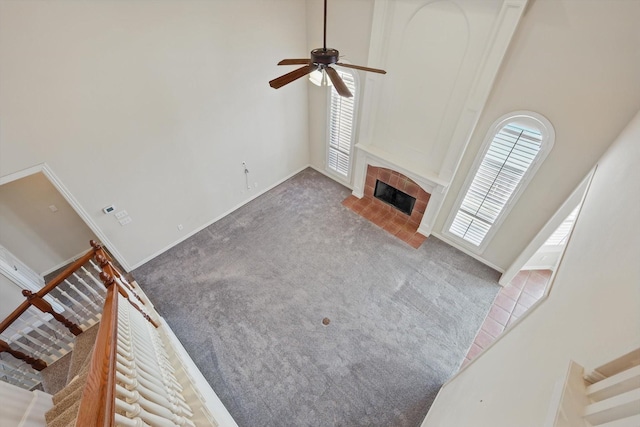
[
  {"x": 341, "y": 127},
  {"x": 514, "y": 148}
]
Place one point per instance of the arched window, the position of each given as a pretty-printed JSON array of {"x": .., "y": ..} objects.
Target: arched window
[
  {"x": 342, "y": 117},
  {"x": 515, "y": 146}
]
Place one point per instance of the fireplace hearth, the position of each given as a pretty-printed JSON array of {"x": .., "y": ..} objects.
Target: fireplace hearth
[{"x": 384, "y": 189}]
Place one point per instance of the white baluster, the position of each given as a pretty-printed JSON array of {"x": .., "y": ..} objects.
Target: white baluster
[
  {"x": 140, "y": 368},
  {"x": 29, "y": 350},
  {"x": 134, "y": 410},
  {"x": 160, "y": 399},
  {"x": 99, "y": 284},
  {"x": 134, "y": 384},
  {"x": 88, "y": 316},
  {"x": 93, "y": 305},
  {"x": 150, "y": 406},
  {"x": 121, "y": 420},
  {"x": 38, "y": 327},
  {"x": 55, "y": 353},
  {"x": 68, "y": 312},
  {"x": 20, "y": 371},
  {"x": 90, "y": 289},
  {"x": 131, "y": 373},
  {"x": 57, "y": 330}
]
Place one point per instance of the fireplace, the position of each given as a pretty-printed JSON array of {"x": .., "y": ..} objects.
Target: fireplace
[
  {"x": 396, "y": 198},
  {"x": 393, "y": 202}
]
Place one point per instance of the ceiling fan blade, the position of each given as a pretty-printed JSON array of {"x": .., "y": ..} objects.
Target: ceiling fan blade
[
  {"x": 294, "y": 61},
  {"x": 338, "y": 83},
  {"x": 359, "y": 67},
  {"x": 289, "y": 77}
]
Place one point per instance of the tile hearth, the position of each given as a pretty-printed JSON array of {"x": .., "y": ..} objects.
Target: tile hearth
[{"x": 404, "y": 227}]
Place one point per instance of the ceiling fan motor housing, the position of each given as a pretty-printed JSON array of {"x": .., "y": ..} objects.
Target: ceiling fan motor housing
[{"x": 324, "y": 56}]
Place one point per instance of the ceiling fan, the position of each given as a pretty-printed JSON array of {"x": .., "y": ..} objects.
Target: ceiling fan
[{"x": 321, "y": 59}]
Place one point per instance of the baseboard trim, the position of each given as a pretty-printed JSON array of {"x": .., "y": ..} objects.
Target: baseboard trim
[
  {"x": 328, "y": 175},
  {"x": 466, "y": 251},
  {"x": 216, "y": 219}
]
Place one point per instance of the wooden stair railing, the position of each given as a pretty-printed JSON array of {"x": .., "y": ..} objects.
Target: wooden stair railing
[
  {"x": 37, "y": 364},
  {"x": 98, "y": 397},
  {"x": 37, "y": 300},
  {"x": 97, "y": 405}
]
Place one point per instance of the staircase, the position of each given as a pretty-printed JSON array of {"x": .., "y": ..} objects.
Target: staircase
[
  {"x": 608, "y": 396},
  {"x": 65, "y": 380},
  {"x": 93, "y": 341}
]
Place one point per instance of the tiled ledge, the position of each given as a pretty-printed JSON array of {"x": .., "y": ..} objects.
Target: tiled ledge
[
  {"x": 404, "y": 227},
  {"x": 510, "y": 304},
  {"x": 388, "y": 218}
]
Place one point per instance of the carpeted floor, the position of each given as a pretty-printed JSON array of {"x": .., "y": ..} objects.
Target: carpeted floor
[{"x": 247, "y": 297}]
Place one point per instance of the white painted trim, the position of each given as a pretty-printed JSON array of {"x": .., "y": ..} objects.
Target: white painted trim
[
  {"x": 34, "y": 415},
  {"x": 20, "y": 174},
  {"x": 70, "y": 198},
  {"x": 538, "y": 303},
  {"x": 330, "y": 176},
  {"x": 548, "y": 140},
  {"x": 369, "y": 155},
  {"x": 354, "y": 127},
  {"x": 69, "y": 261},
  {"x": 576, "y": 197},
  {"x": 211, "y": 399},
  {"x": 496, "y": 48},
  {"x": 467, "y": 251},
  {"x": 23, "y": 277},
  {"x": 216, "y": 219},
  {"x": 497, "y": 43}
]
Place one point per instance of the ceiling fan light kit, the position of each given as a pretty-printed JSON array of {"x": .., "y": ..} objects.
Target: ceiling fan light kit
[{"x": 321, "y": 60}]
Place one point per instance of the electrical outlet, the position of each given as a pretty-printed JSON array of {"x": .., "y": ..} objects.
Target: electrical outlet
[
  {"x": 180, "y": 227},
  {"x": 121, "y": 214},
  {"x": 255, "y": 185},
  {"x": 125, "y": 221}
]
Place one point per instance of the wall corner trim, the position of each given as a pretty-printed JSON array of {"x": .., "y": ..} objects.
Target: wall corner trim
[{"x": 70, "y": 198}]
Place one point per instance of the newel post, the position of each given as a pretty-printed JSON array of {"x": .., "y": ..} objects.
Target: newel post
[
  {"x": 37, "y": 364},
  {"x": 110, "y": 269},
  {"x": 45, "y": 307},
  {"x": 109, "y": 280}
]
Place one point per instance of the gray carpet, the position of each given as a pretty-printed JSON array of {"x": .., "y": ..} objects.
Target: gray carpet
[{"x": 247, "y": 296}]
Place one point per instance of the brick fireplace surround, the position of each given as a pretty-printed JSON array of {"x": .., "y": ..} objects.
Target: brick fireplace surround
[{"x": 386, "y": 216}]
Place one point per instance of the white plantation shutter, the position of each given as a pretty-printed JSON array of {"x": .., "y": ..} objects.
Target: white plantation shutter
[
  {"x": 501, "y": 171},
  {"x": 341, "y": 126}
]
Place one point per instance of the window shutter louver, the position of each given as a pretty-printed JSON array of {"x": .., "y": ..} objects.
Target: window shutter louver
[
  {"x": 341, "y": 118},
  {"x": 511, "y": 153}
]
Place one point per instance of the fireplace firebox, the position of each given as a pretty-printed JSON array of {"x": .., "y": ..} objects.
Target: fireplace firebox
[{"x": 396, "y": 198}]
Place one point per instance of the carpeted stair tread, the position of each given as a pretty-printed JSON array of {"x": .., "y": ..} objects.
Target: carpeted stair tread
[
  {"x": 67, "y": 417},
  {"x": 83, "y": 346},
  {"x": 54, "y": 376},
  {"x": 77, "y": 383},
  {"x": 60, "y": 407}
]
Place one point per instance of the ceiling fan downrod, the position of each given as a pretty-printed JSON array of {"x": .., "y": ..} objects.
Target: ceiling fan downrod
[{"x": 324, "y": 33}]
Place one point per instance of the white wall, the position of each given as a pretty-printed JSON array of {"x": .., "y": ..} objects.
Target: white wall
[
  {"x": 16, "y": 410},
  {"x": 433, "y": 51},
  {"x": 576, "y": 62},
  {"x": 11, "y": 296},
  {"x": 42, "y": 239},
  {"x": 591, "y": 315},
  {"x": 152, "y": 106}
]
